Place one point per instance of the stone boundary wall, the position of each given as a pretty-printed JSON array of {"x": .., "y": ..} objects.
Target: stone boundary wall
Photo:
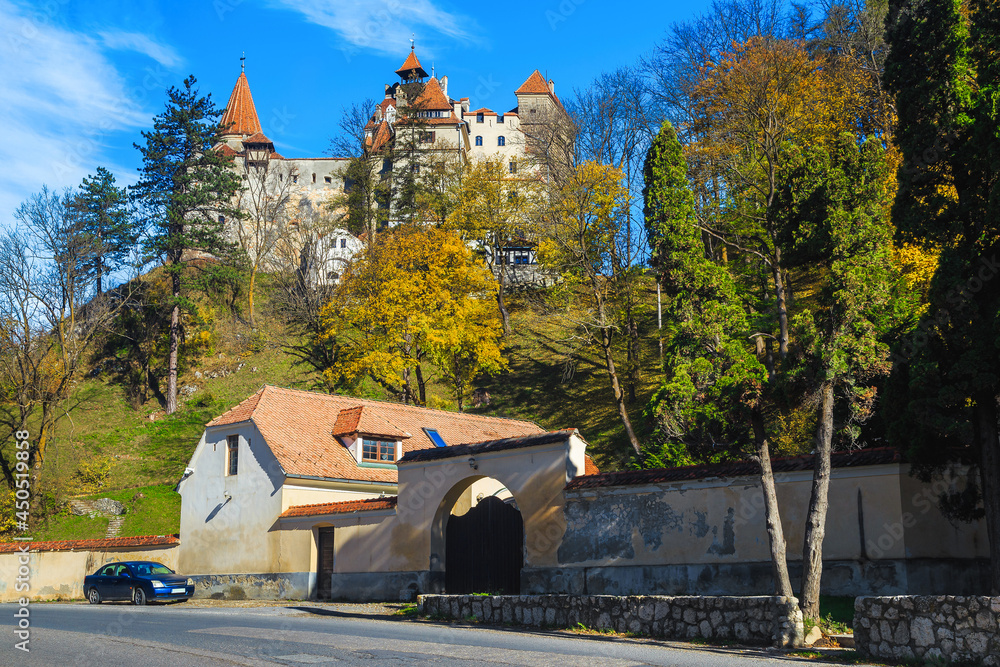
[
  {"x": 942, "y": 628},
  {"x": 764, "y": 620}
]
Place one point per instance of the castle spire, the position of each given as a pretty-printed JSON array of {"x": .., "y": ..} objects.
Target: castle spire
[
  {"x": 411, "y": 70},
  {"x": 240, "y": 118}
]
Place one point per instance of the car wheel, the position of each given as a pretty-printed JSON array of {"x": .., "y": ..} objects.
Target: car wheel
[
  {"x": 93, "y": 596},
  {"x": 139, "y": 596}
]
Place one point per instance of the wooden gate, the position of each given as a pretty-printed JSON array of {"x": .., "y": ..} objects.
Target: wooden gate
[
  {"x": 324, "y": 564},
  {"x": 484, "y": 549}
]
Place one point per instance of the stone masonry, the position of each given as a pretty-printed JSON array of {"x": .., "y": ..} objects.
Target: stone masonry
[
  {"x": 760, "y": 620},
  {"x": 943, "y": 628}
]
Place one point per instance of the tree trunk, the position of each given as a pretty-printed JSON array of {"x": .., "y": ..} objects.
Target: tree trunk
[
  {"x": 779, "y": 295},
  {"x": 609, "y": 363},
  {"x": 812, "y": 552},
  {"x": 501, "y": 302},
  {"x": 421, "y": 385},
  {"x": 175, "y": 341},
  {"x": 250, "y": 289},
  {"x": 989, "y": 471},
  {"x": 772, "y": 516}
]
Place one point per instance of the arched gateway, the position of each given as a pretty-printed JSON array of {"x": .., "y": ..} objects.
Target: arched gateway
[{"x": 533, "y": 469}]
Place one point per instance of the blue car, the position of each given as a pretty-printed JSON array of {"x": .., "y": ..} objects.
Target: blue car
[{"x": 139, "y": 581}]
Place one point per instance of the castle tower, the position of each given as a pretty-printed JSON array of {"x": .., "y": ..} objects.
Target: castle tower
[
  {"x": 240, "y": 118},
  {"x": 411, "y": 71}
]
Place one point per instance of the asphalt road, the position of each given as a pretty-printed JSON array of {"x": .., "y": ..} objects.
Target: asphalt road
[{"x": 110, "y": 635}]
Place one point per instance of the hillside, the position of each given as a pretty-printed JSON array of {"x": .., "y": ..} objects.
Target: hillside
[{"x": 102, "y": 447}]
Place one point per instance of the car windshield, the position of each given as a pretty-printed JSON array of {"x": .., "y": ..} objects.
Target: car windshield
[{"x": 147, "y": 569}]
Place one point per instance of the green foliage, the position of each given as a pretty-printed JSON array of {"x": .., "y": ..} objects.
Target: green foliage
[
  {"x": 943, "y": 71},
  {"x": 711, "y": 377},
  {"x": 104, "y": 216}
]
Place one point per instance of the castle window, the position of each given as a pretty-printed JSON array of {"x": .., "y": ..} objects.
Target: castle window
[
  {"x": 314, "y": 178},
  {"x": 343, "y": 243},
  {"x": 479, "y": 117},
  {"x": 295, "y": 178},
  {"x": 500, "y": 118},
  {"x": 328, "y": 179},
  {"x": 378, "y": 450},
  {"x": 513, "y": 167},
  {"x": 501, "y": 141},
  {"x": 479, "y": 141},
  {"x": 222, "y": 219},
  {"x": 426, "y": 137}
]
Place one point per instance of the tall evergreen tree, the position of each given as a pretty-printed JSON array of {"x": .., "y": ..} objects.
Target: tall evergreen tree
[
  {"x": 103, "y": 216},
  {"x": 187, "y": 190},
  {"x": 942, "y": 69},
  {"x": 711, "y": 398}
]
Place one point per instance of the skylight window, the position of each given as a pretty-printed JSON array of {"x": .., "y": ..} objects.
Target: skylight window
[{"x": 435, "y": 437}]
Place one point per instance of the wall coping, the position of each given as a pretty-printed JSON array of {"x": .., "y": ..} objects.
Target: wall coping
[{"x": 106, "y": 544}]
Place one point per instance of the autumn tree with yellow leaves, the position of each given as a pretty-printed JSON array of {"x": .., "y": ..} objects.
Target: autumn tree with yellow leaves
[
  {"x": 583, "y": 243},
  {"x": 410, "y": 307}
]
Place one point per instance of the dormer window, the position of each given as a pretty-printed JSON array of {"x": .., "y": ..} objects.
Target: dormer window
[{"x": 378, "y": 451}]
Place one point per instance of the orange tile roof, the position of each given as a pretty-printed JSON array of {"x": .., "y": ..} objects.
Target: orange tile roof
[
  {"x": 484, "y": 111},
  {"x": 257, "y": 138},
  {"x": 380, "y": 137},
  {"x": 534, "y": 85},
  {"x": 342, "y": 507},
  {"x": 432, "y": 98},
  {"x": 225, "y": 149},
  {"x": 366, "y": 421},
  {"x": 93, "y": 545},
  {"x": 298, "y": 427},
  {"x": 589, "y": 467},
  {"x": 240, "y": 116},
  {"x": 411, "y": 63}
]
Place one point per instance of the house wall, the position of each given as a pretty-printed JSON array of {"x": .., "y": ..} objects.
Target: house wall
[
  {"x": 232, "y": 548},
  {"x": 58, "y": 575}
]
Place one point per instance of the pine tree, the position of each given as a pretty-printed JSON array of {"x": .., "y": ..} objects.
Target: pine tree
[
  {"x": 187, "y": 192},
  {"x": 104, "y": 218}
]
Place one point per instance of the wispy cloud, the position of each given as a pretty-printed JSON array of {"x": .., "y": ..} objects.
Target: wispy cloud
[
  {"x": 384, "y": 26},
  {"x": 61, "y": 102},
  {"x": 141, "y": 43}
]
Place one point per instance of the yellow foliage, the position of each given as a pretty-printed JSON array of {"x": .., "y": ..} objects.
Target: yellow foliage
[
  {"x": 917, "y": 264},
  {"x": 7, "y": 519},
  {"x": 414, "y": 296}
]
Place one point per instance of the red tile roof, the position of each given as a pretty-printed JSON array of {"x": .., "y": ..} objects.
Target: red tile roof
[
  {"x": 93, "y": 545},
  {"x": 484, "y": 111},
  {"x": 225, "y": 149},
  {"x": 257, "y": 138},
  {"x": 240, "y": 116},
  {"x": 298, "y": 427},
  {"x": 534, "y": 85},
  {"x": 411, "y": 63},
  {"x": 432, "y": 98},
  {"x": 366, "y": 421},
  {"x": 590, "y": 468},
  {"x": 864, "y": 457},
  {"x": 343, "y": 507}
]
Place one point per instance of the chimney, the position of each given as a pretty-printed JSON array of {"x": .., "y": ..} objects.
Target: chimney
[
  {"x": 552, "y": 86},
  {"x": 444, "y": 85}
]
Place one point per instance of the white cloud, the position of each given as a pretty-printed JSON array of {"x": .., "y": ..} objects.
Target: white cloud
[
  {"x": 384, "y": 26},
  {"x": 62, "y": 101},
  {"x": 140, "y": 43}
]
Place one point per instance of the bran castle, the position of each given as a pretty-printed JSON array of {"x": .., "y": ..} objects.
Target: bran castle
[{"x": 447, "y": 129}]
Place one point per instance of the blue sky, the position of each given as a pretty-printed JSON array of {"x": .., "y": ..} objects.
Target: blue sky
[{"x": 79, "y": 80}]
